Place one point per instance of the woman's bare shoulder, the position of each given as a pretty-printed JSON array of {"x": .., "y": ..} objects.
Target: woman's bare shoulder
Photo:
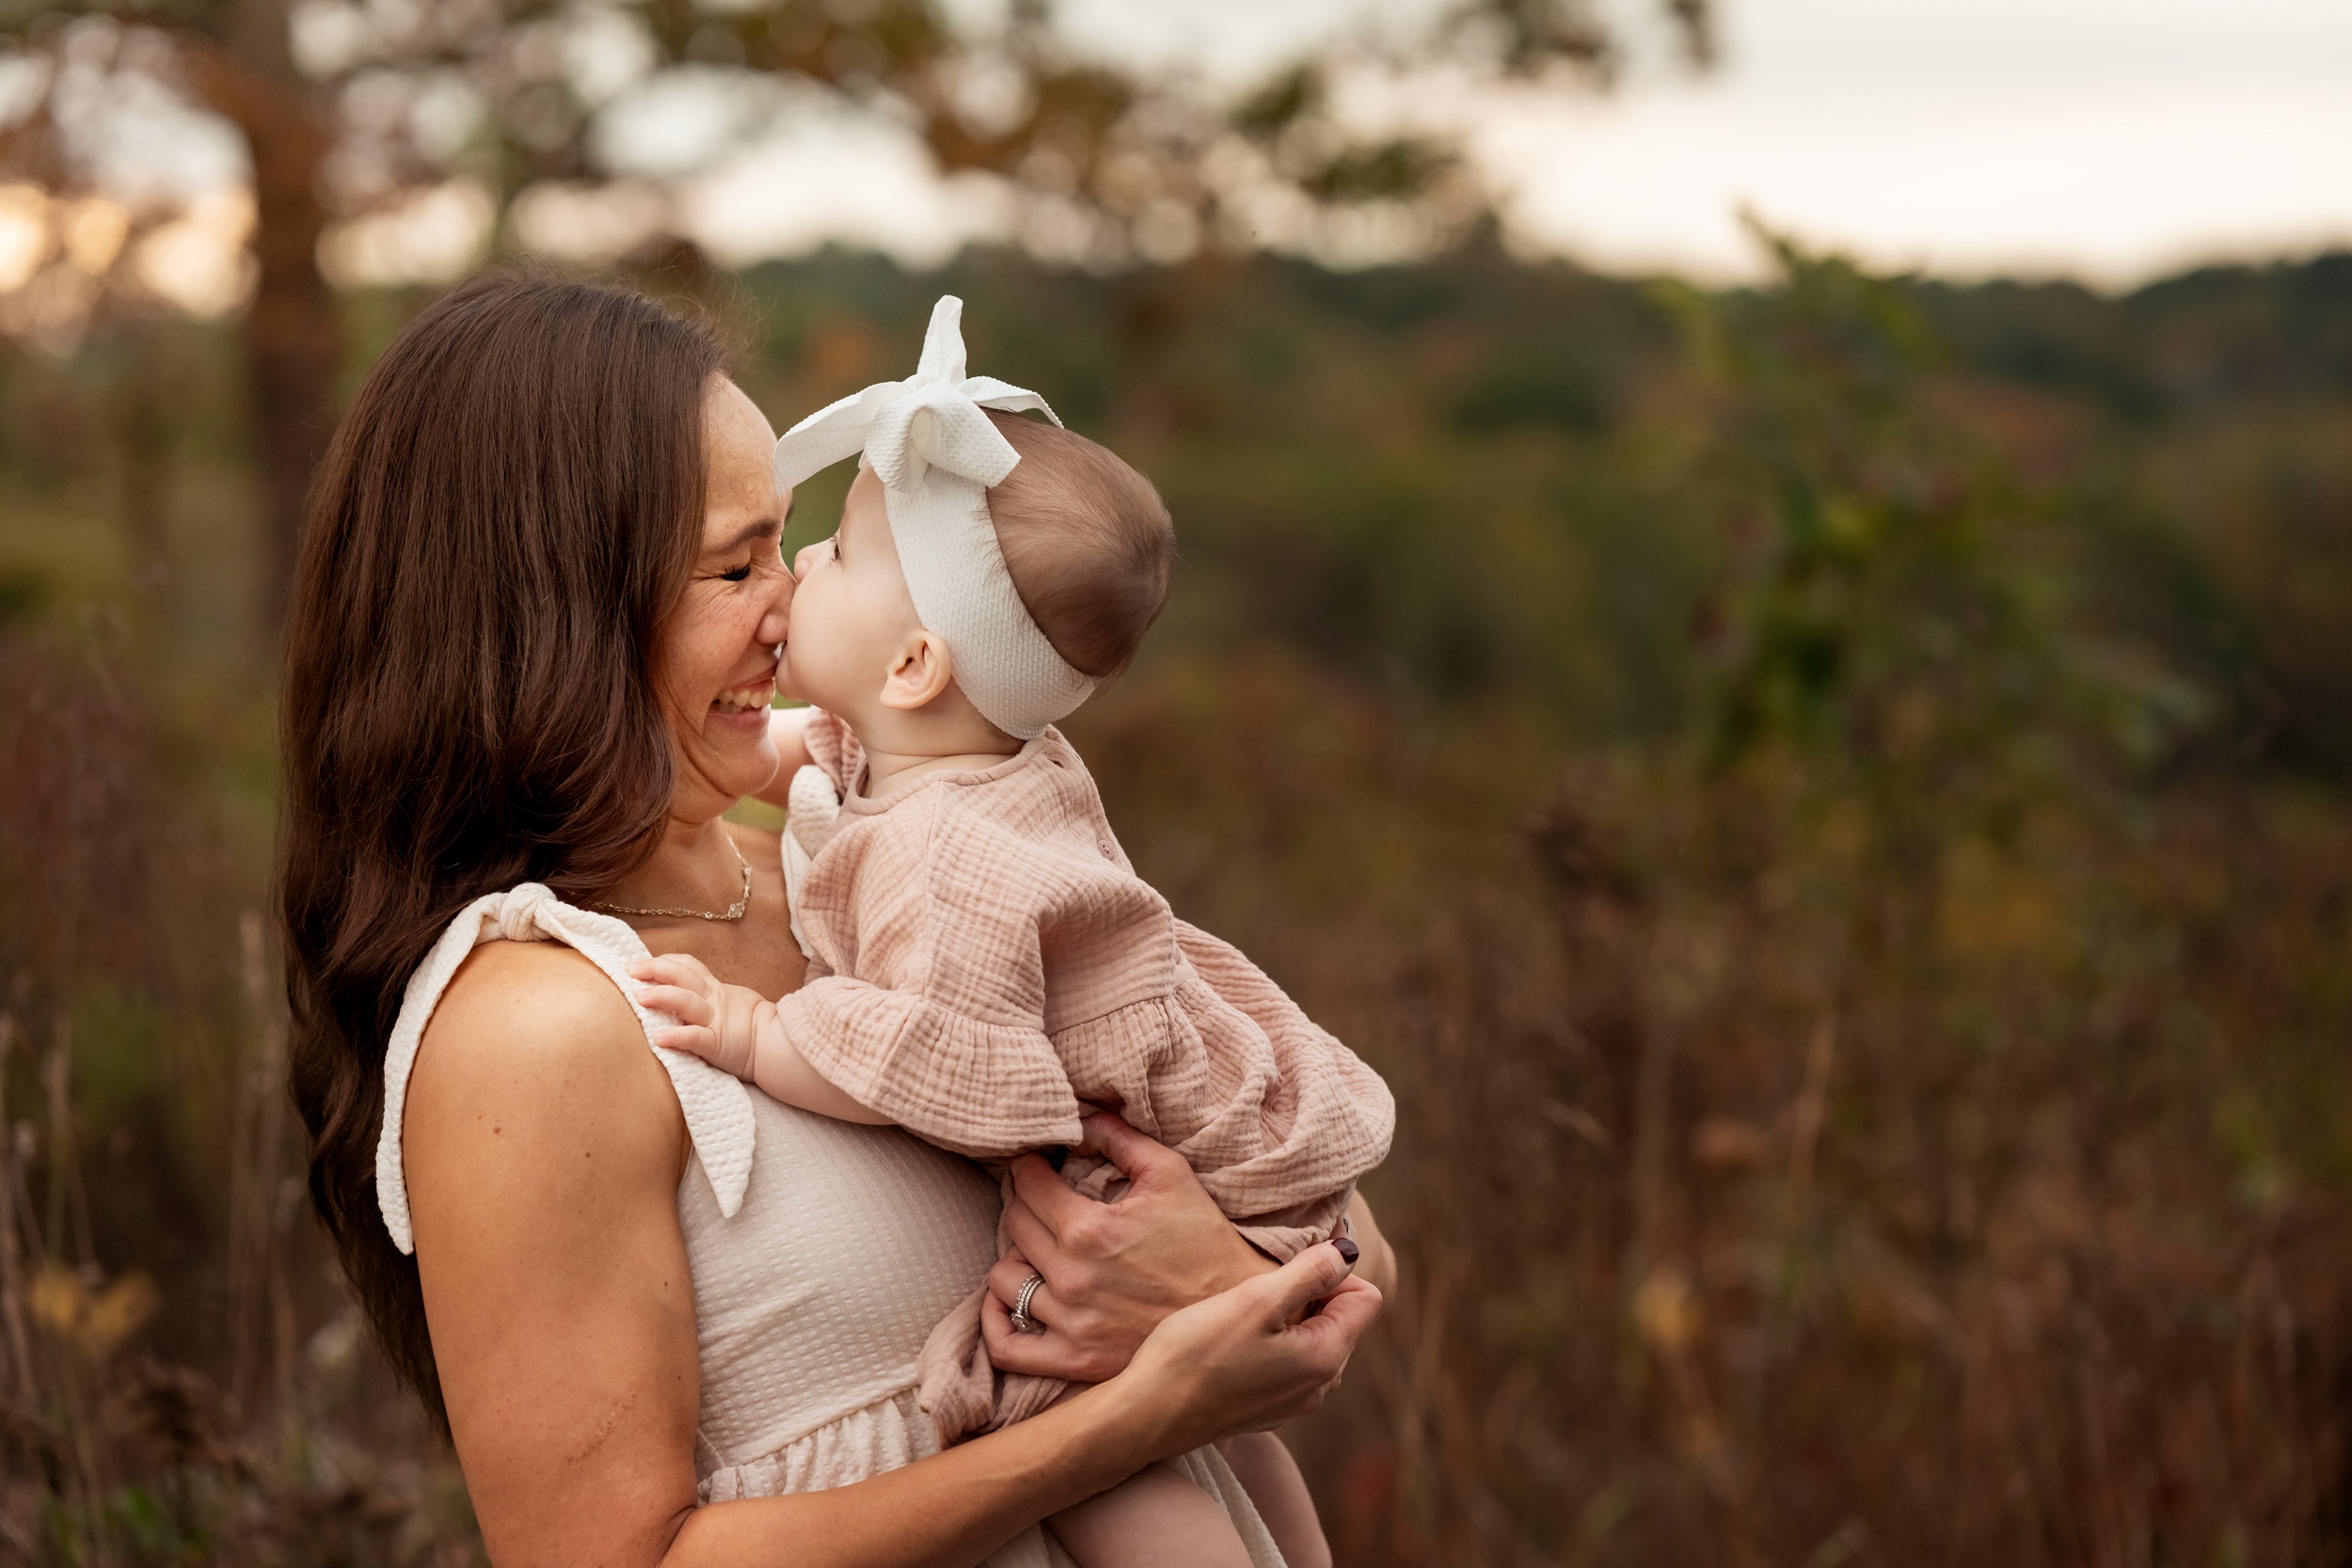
[{"x": 532, "y": 1033}]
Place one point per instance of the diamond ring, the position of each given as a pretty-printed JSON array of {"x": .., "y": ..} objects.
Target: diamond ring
[{"x": 1022, "y": 1321}]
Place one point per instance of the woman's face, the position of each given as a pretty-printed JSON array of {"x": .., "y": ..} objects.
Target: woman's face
[{"x": 718, "y": 664}]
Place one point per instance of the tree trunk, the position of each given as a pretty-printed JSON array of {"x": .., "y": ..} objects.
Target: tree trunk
[{"x": 294, "y": 333}]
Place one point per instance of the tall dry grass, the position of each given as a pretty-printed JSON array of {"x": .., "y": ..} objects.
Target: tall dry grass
[
  {"x": 1902, "y": 1120},
  {"x": 1761, "y": 1202},
  {"x": 1762, "y": 1206},
  {"x": 176, "y": 1367}
]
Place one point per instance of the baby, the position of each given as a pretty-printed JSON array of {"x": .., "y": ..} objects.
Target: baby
[{"x": 984, "y": 963}]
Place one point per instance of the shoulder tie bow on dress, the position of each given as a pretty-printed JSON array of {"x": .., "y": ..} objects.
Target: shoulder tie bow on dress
[{"x": 718, "y": 1108}]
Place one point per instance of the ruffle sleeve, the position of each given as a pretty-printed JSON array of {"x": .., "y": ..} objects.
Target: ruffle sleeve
[
  {"x": 1281, "y": 1157},
  {"x": 988, "y": 1091},
  {"x": 927, "y": 1000},
  {"x": 832, "y": 746}
]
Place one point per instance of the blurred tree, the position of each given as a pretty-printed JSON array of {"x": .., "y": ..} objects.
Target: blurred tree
[
  {"x": 1898, "y": 599},
  {"x": 348, "y": 107}
]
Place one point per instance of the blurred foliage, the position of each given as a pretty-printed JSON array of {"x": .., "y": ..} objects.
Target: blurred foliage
[
  {"x": 354, "y": 109},
  {"x": 1831, "y": 802}
]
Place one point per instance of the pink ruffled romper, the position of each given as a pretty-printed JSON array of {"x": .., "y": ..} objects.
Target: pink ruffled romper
[{"x": 985, "y": 964}]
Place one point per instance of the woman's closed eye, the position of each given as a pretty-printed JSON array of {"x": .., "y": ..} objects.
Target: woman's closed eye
[{"x": 744, "y": 572}]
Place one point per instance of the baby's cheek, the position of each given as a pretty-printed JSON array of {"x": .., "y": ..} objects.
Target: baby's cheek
[{"x": 824, "y": 633}]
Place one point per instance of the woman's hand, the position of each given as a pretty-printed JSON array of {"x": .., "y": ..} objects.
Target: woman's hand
[
  {"x": 1113, "y": 1271},
  {"x": 1238, "y": 1362}
]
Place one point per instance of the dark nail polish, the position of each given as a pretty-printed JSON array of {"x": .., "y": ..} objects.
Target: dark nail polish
[{"x": 1348, "y": 1250}]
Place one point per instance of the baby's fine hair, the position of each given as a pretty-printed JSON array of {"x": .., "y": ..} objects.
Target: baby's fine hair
[{"x": 1087, "y": 540}]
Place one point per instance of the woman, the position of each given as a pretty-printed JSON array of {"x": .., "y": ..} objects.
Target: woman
[{"x": 532, "y": 636}]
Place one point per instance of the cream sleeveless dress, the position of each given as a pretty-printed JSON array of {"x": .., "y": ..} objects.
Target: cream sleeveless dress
[{"x": 823, "y": 1253}]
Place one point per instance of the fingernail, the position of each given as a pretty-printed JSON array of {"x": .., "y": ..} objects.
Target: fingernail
[{"x": 1348, "y": 1250}]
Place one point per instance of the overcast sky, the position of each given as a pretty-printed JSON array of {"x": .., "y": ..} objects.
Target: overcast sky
[
  {"x": 2106, "y": 140},
  {"x": 2109, "y": 139}
]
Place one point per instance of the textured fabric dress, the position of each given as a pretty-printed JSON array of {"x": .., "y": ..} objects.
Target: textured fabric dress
[
  {"x": 984, "y": 965},
  {"x": 823, "y": 1254}
]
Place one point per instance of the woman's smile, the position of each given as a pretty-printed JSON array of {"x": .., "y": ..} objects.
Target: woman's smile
[{"x": 753, "y": 698}]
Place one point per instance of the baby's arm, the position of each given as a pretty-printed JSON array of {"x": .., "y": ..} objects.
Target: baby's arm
[
  {"x": 789, "y": 728},
  {"x": 737, "y": 1030}
]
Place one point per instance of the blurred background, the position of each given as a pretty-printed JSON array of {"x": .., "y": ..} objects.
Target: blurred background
[{"x": 1766, "y": 627}]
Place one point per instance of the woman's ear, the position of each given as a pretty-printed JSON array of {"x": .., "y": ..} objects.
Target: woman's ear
[{"x": 919, "y": 674}]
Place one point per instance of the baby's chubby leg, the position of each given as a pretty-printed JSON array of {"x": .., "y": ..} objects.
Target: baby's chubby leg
[
  {"x": 1155, "y": 1518},
  {"x": 1268, "y": 1473}
]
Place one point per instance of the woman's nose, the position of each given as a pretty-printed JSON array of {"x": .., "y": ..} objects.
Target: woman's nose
[{"x": 774, "y": 621}]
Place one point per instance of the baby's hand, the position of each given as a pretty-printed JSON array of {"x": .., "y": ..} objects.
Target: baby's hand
[
  {"x": 723, "y": 1025},
  {"x": 717, "y": 1022}
]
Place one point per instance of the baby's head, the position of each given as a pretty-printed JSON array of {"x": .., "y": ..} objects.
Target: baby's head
[{"x": 1086, "y": 540}]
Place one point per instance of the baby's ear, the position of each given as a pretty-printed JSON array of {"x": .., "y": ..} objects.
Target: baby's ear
[{"x": 919, "y": 674}]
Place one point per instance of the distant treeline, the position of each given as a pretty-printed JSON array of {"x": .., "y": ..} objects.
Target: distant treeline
[
  {"x": 1469, "y": 480},
  {"x": 1476, "y": 477}
]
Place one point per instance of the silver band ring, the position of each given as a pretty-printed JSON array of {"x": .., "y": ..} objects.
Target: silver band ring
[{"x": 1022, "y": 1321}]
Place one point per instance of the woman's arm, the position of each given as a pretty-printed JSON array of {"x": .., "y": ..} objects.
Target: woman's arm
[
  {"x": 544, "y": 1147},
  {"x": 1231, "y": 1363}
]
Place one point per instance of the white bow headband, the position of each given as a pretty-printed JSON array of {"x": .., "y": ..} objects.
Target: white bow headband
[{"x": 937, "y": 455}]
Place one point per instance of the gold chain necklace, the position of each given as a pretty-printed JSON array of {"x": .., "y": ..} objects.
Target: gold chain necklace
[{"x": 732, "y": 911}]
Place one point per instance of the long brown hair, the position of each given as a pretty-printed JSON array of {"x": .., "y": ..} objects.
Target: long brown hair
[{"x": 504, "y": 519}]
